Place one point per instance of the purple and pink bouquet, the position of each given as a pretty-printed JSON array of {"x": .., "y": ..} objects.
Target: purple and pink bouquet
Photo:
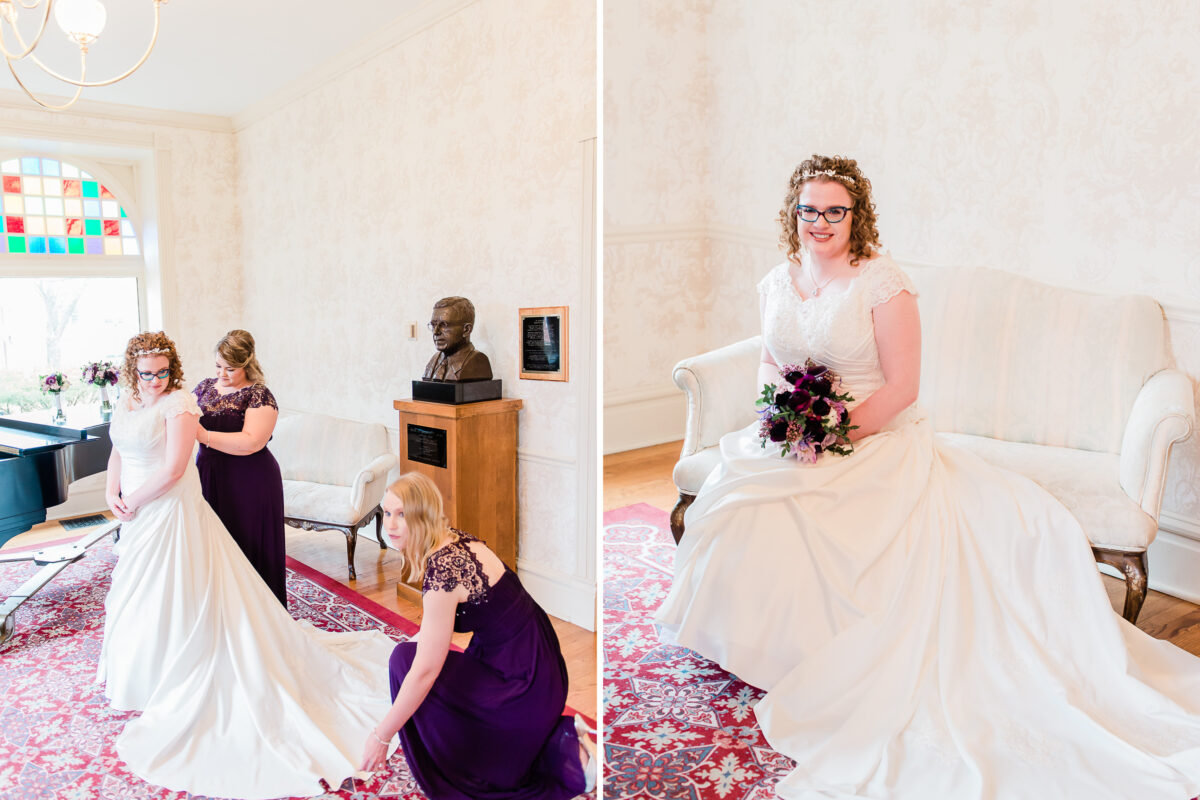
[
  {"x": 53, "y": 383},
  {"x": 100, "y": 373},
  {"x": 807, "y": 415}
]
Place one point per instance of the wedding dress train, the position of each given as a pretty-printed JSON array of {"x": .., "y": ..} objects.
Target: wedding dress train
[{"x": 925, "y": 625}]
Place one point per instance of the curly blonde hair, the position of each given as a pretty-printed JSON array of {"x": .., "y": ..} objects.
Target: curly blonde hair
[
  {"x": 236, "y": 349},
  {"x": 156, "y": 340},
  {"x": 864, "y": 235},
  {"x": 426, "y": 520}
]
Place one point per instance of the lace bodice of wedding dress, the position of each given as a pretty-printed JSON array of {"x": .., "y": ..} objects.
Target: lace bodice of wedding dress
[{"x": 140, "y": 435}]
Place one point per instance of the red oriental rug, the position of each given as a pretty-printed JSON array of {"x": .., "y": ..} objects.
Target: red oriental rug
[
  {"x": 676, "y": 724},
  {"x": 56, "y": 728}
]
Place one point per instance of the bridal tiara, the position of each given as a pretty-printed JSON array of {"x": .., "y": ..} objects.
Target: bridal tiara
[
  {"x": 153, "y": 351},
  {"x": 829, "y": 173}
]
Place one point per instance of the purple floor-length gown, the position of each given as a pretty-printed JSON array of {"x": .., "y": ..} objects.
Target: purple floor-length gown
[
  {"x": 492, "y": 726},
  {"x": 245, "y": 491}
]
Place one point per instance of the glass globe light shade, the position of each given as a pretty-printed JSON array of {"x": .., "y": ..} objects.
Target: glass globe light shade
[{"x": 81, "y": 20}]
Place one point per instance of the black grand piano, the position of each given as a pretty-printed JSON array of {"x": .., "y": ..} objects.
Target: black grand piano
[{"x": 38, "y": 461}]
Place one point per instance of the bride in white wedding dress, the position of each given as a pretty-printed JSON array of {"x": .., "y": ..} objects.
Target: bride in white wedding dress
[
  {"x": 925, "y": 625},
  {"x": 237, "y": 698}
]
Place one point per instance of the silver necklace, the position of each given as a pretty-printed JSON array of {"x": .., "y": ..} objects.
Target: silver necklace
[{"x": 817, "y": 287}]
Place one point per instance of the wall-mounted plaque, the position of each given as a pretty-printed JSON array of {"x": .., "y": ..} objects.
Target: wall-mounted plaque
[
  {"x": 427, "y": 445},
  {"x": 544, "y": 343}
]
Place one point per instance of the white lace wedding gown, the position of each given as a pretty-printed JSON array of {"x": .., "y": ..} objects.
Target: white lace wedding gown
[
  {"x": 237, "y": 698},
  {"x": 927, "y": 626}
]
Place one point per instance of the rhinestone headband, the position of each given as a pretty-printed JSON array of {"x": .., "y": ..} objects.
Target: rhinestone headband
[
  {"x": 828, "y": 173},
  {"x": 154, "y": 351}
]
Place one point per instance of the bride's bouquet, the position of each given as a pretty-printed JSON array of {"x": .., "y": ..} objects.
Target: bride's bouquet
[{"x": 807, "y": 415}]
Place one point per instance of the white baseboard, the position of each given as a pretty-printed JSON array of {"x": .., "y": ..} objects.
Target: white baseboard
[
  {"x": 1174, "y": 566},
  {"x": 561, "y": 595},
  {"x": 641, "y": 418}
]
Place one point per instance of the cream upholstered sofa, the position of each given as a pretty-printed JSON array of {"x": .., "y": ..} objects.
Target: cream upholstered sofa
[
  {"x": 334, "y": 474},
  {"x": 1071, "y": 389}
]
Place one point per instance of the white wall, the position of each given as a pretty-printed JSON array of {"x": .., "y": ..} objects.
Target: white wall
[
  {"x": 1053, "y": 140},
  {"x": 452, "y": 163}
]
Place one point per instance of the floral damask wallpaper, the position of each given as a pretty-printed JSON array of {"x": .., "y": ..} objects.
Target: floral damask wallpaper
[
  {"x": 450, "y": 164},
  {"x": 1053, "y": 140}
]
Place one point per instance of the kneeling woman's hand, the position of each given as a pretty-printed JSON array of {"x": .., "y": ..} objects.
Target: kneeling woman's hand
[{"x": 375, "y": 754}]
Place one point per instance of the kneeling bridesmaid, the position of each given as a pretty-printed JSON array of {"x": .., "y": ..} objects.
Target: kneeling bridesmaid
[{"x": 486, "y": 722}]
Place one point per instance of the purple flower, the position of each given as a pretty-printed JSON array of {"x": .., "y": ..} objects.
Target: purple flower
[
  {"x": 799, "y": 400},
  {"x": 820, "y": 406},
  {"x": 778, "y": 431},
  {"x": 816, "y": 369}
]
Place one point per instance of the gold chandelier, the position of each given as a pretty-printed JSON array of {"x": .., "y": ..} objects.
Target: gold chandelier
[{"x": 81, "y": 20}]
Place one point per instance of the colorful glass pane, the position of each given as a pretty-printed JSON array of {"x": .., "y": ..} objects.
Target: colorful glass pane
[{"x": 56, "y": 208}]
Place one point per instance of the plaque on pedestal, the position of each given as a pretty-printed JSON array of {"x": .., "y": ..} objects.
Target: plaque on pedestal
[
  {"x": 456, "y": 392},
  {"x": 470, "y": 452}
]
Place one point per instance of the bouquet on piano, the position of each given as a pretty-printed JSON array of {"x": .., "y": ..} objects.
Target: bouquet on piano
[
  {"x": 807, "y": 415},
  {"x": 53, "y": 383},
  {"x": 100, "y": 373}
]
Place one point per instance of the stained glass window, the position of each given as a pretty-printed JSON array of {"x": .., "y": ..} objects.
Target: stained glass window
[{"x": 53, "y": 207}]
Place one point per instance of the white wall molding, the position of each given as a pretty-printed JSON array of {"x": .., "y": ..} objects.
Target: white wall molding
[
  {"x": 568, "y": 597},
  {"x": 387, "y": 37},
  {"x": 1179, "y": 525},
  {"x": 643, "y": 416},
  {"x": 16, "y": 100},
  {"x": 638, "y": 234}
]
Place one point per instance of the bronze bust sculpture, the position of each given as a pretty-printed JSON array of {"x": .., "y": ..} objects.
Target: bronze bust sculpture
[{"x": 456, "y": 359}]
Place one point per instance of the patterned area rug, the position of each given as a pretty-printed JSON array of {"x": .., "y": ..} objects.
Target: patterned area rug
[
  {"x": 57, "y": 730},
  {"x": 676, "y": 724}
]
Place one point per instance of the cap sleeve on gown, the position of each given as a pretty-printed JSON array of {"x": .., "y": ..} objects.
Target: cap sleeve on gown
[
  {"x": 777, "y": 277},
  {"x": 885, "y": 280},
  {"x": 180, "y": 402},
  {"x": 260, "y": 396},
  {"x": 456, "y": 565}
]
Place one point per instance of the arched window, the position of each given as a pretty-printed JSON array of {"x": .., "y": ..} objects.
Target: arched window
[{"x": 72, "y": 277}]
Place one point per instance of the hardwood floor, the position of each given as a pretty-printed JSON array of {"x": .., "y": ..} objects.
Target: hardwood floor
[
  {"x": 378, "y": 574},
  {"x": 644, "y": 476}
]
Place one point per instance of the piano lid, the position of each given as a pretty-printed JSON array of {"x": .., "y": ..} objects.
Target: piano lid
[
  {"x": 26, "y": 443},
  {"x": 81, "y": 420}
]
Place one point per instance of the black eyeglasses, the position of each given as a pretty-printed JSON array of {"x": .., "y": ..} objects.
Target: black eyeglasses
[
  {"x": 833, "y": 215},
  {"x": 149, "y": 376}
]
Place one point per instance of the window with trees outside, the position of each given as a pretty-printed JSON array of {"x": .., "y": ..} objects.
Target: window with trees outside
[{"x": 72, "y": 279}]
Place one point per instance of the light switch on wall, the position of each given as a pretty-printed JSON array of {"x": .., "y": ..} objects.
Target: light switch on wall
[{"x": 412, "y": 331}]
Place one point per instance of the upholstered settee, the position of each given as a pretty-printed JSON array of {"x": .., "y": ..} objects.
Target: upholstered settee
[
  {"x": 1072, "y": 389},
  {"x": 334, "y": 474}
]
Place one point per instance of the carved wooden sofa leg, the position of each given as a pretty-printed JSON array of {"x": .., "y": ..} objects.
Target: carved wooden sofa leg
[
  {"x": 685, "y": 500},
  {"x": 379, "y": 527},
  {"x": 350, "y": 531},
  {"x": 1133, "y": 567}
]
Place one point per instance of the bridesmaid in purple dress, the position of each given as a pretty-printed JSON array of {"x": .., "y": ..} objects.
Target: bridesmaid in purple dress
[
  {"x": 240, "y": 477},
  {"x": 486, "y": 723}
]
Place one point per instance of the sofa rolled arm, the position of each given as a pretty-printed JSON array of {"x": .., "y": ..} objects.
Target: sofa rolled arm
[
  {"x": 371, "y": 483},
  {"x": 1163, "y": 413},
  {"x": 720, "y": 392}
]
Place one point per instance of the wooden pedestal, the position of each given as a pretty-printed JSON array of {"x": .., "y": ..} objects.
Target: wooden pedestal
[{"x": 479, "y": 480}]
